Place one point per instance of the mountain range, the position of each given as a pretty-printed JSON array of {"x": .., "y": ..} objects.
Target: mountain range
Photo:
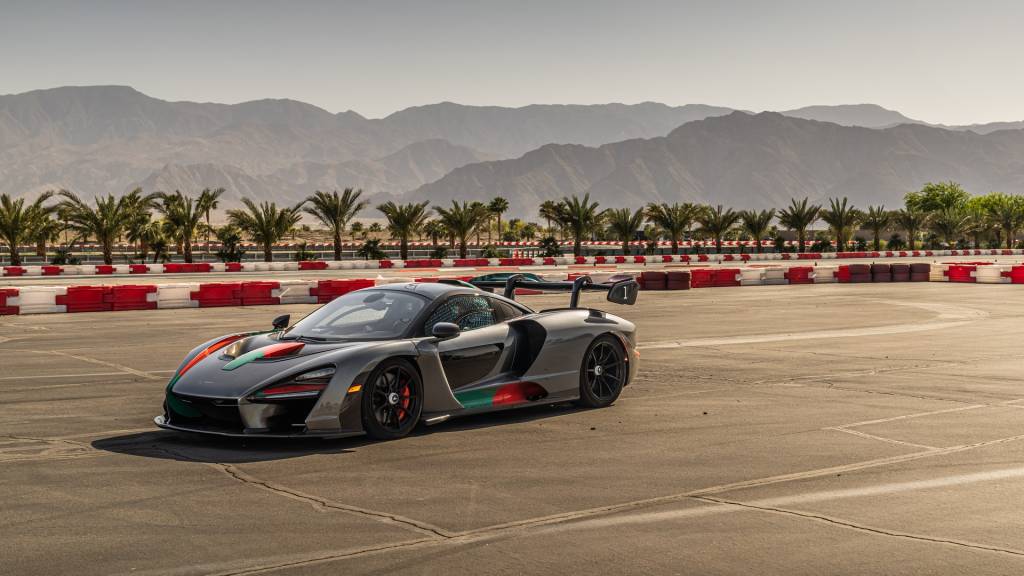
[{"x": 100, "y": 139}]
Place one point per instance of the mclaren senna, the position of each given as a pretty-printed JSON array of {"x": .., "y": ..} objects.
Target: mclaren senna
[{"x": 380, "y": 361}]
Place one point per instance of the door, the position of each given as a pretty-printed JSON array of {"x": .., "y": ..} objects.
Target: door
[{"x": 478, "y": 351}]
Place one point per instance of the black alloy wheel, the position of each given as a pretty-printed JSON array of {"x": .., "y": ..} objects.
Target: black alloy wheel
[
  {"x": 603, "y": 373},
  {"x": 392, "y": 400}
]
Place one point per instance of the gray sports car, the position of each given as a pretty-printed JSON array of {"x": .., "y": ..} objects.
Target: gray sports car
[{"x": 381, "y": 360}]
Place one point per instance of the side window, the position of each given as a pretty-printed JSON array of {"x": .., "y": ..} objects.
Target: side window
[
  {"x": 468, "y": 311},
  {"x": 505, "y": 311}
]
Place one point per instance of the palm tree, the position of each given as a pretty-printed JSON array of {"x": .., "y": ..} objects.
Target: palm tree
[
  {"x": 18, "y": 221},
  {"x": 911, "y": 219},
  {"x": 842, "y": 217},
  {"x": 949, "y": 223},
  {"x": 580, "y": 217},
  {"x": 210, "y": 205},
  {"x": 717, "y": 222},
  {"x": 106, "y": 221},
  {"x": 461, "y": 220},
  {"x": 140, "y": 219},
  {"x": 673, "y": 219},
  {"x": 623, "y": 224},
  {"x": 798, "y": 217},
  {"x": 265, "y": 223},
  {"x": 404, "y": 221},
  {"x": 1007, "y": 212},
  {"x": 877, "y": 219},
  {"x": 756, "y": 223},
  {"x": 549, "y": 211},
  {"x": 184, "y": 214},
  {"x": 497, "y": 207},
  {"x": 335, "y": 211},
  {"x": 435, "y": 230}
]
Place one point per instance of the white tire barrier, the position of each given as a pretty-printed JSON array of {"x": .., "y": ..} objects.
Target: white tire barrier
[
  {"x": 39, "y": 299},
  {"x": 297, "y": 291},
  {"x": 176, "y": 295},
  {"x": 775, "y": 276},
  {"x": 825, "y": 274},
  {"x": 992, "y": 274},
  {"x": 752, "y": 276}
]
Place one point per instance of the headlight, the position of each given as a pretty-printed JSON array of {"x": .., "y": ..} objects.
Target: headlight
[{"x": 306, "y": 385}]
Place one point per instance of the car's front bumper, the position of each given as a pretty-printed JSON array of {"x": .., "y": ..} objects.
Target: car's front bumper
[{"x": 161, "y": 422}]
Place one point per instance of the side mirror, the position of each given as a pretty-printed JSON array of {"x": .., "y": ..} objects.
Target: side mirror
[
  {"x": 624, "y": 292},
  {"x": 445, "y": 330},
  {"x": 281, "y": 322}
]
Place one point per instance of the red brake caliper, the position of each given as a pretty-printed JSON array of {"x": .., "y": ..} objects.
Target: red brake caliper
[{"x": 406, "y": 393}]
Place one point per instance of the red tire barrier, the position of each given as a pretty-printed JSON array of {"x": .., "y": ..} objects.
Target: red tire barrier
[
  {"x": 654, "y": 280},
  {"x": 881, "y": 273},
  {"x": 132, "y": 297},
  {"x": 1016, "y": 275},
  {"x": 327, "y": 290},
  {"x": 726, "y": 277},
  {"x": 385, "y": 264},
  {"x": 86, "y": 299},
  {"x": 843, "y": 273},
  {"x": 52, "y": 270},
  {"x": 702, "y": 278},
  {"x": 961, "y": 273},
  {"x": 232, "y": 266},
  {"x": 312, "y": 265},
  {"x": 259, "y": 293},
  {"x": 901, "y": 272},
  {"x": 14, "y": 271},
  {"x": 919, "y": 272},
  {"x": 220, "y": 294},
  {"x": 800, "y": 275},
  {"x": 860, "y": 273},
  {"x": 104, "y": 269},
  {"x": 677, "y": 280},
  {"x": 138, "y": 269},
  {"x": 5, "y": 295},
  {"x": 185, "y": 268}
]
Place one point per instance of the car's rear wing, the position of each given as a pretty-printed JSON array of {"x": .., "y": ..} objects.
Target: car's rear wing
[{"x": 620, "y": 292}]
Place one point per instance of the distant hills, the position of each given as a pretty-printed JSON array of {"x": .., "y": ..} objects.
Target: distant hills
[
  {"x": 748, "y": 161},
  {"x": 99, "y": 139}
]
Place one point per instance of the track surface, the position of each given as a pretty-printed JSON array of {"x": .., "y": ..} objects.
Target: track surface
[{"x": 837, "y": 429}]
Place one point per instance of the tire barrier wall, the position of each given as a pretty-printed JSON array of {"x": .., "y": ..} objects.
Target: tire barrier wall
[
  {"x": 73, "y": 299},
  {"x": 208, "y": 267}
]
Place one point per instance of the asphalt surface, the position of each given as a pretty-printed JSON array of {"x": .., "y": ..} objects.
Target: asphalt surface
[{"x": 830, "y": 429}]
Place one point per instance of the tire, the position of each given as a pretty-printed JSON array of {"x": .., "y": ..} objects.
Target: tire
[
  {"x": 600, "y": 390},
  {"x": 392, "y": 400}
]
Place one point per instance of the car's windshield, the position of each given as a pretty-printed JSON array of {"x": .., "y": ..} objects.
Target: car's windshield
[{"x": 362, "y": 315}]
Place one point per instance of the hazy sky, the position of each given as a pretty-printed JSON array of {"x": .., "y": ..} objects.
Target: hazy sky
[{"x": 939, "y": 61}]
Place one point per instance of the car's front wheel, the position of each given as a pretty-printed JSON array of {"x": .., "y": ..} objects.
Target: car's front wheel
[
  {"x": 603, "y": 373},
  {"x": 392, "y": 400}
]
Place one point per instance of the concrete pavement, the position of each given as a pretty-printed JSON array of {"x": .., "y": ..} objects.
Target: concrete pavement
[{"x": 840, "y": 429}]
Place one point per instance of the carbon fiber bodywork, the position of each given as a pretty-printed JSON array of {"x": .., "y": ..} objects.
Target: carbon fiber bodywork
[{"x": 541, "y": 353}]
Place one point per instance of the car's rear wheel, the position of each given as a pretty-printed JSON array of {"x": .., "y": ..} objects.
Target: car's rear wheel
[
  {"x": 603, "y": 373},
  {"x": 392, "y": 400}
]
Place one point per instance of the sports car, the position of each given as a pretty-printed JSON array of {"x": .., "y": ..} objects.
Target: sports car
[{"x": 381, "y": 360}]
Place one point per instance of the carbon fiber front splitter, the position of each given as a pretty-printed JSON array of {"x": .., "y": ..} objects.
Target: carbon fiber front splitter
[{"x": 161, "y": 422}]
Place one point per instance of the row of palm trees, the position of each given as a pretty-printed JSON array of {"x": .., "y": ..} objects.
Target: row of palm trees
[
  {"x": 944, "y": 209},
  {"x": 182, "y": 218}
]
